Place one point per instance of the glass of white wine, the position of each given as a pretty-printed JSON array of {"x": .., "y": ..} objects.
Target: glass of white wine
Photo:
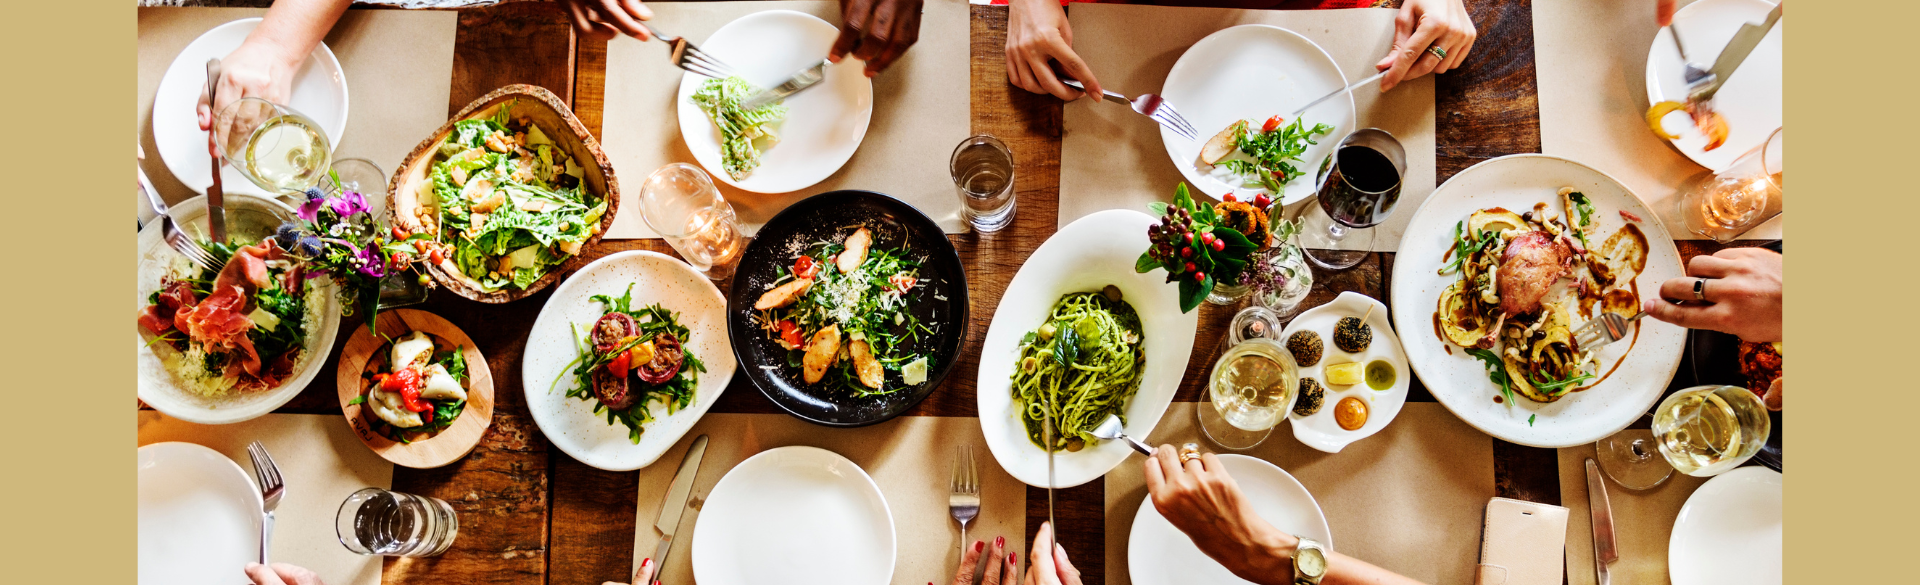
[
  {"x": 1250, "y": 390},
  {"x": 277, "y": 148},
  {"x": 1706, "y": 430},
  {"x": 681, "y": 203}
]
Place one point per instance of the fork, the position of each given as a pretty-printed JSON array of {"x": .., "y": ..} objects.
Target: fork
[
  {"x": 1697, "y": 76},
  {"x": 175, "y": 238},
  {"x": 689, "y": 57},
  {"x": 271, "y": 488},
  {"x": 1149, "y": 105},
  {"x": 964, "y": 501},
  {"x": 1604, "y": 329}
]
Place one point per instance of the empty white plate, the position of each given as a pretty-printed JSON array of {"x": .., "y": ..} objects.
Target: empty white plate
[
  {"x": 1253, "y": 72},
  {"x": 824, "y": 124},
  {"x": 1730, "y": 531},
  {"x": 1159, "y": 554},
  {"x": 319, "y": 91},
  {"x": 795, "y": 516},
  {"x": 199, "y": 516},
  {"x": 1751, "y": 100}
]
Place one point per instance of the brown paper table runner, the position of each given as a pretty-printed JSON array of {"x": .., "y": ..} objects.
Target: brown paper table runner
[
  {"x": 1592, "y": 64},
  {"x": 1410, "y": 499},
  {"x": 1112, "y": 158},
  {"x": 920, "y": 111},
  {"x": 910, "y": 458},
  {"x": 1642, "y": 522},
  {"x": 397, "y": 64},
  {"x": 321, "y": 462}
]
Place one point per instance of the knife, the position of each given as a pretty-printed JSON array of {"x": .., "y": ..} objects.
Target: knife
[
  {"x": 799, "y": 82},
  {"x": 1047, "y": 420},
  {"x": 1604, "y": 552},
  {"x": 1336, "y": 93},
  {"x": 216, "y": 210},
  {"x": 1736, "y": 52},
  {"x": 672, "y": 507}
]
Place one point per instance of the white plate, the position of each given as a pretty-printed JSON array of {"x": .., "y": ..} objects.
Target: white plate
[
  {"x": 551, "y": 348},
  {"x": 1320, "y": 430},
  {"x": 824, "y": 125},
  {"x": 1730, "y": 531},
  {"x": 796, "y": 516},
  {"x": 319, "y": 91},
  {"x": 1458, "y": 380},
  {"x": 248, "y": 216},
  {"x": 1253, "y": 72},
  {"x": 1159, "y": 554},
  {"x": 198, "y": 516},
  {"x": 1751, "y": 100},
  {"x": 1087, "y": 255}
]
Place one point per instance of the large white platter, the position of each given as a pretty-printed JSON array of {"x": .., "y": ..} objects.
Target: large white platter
[
  {"x": 1087, "y": 255},
  {"x": 824, "y": 125},
  {"x": 198, "y": 516},
  {"x": 1751, "y": 100},
  {"x": 795, "y": 516},
  {"x": 319, "y": 92},
  {"x": 551, "y": 348},
  {"x": 1159, "y": 554},
  {"x": 1459, "y": 381},
  {"x": 1731, "y": 531},
  {"x": 1253, "y": 72}
]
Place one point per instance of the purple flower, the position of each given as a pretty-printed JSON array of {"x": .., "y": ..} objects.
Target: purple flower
[
  {"x": 310, "y": 210},
  {"x": 348, "y": 203},
  {"x": 370, "y": 261}
]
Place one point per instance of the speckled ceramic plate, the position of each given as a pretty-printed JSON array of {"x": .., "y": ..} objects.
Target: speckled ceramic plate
[
  {"x": 571, "y": 423},
  {"x": 1640, "y": 366}
]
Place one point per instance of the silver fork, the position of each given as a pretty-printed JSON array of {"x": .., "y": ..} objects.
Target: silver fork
[
  {"x": 1604, "y": 329},
  {"x": 1148, "y": 105},
  {"x": 175, "y": 238},
  {"x": 271, "y": 488},
  {"x": 964, "y": 501},
  {"x": 1696, "y": 75},
  {"x": 689, "y": 57}
]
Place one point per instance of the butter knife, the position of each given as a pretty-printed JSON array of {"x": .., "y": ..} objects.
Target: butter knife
[
  {"x": 216, "y": 210},
  {"x": 1736, "y": 52},
  {"x": 800, "y": 81},
  {"x": 1604, "y": 551},
  {"x": 671, "y": 508},
  {"x": 1336, "y": 93}
]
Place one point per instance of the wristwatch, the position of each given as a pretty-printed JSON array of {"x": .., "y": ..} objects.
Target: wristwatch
[{"x": 1309, "y": 562}]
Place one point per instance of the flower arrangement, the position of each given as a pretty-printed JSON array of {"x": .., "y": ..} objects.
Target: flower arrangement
[
  {"x": 1202, "y": 246},
  {"x": 337, "y": 236}
]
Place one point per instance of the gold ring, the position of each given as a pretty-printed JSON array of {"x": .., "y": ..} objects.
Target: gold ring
[
  {"x": 1437, "y": 51},
  {"x": 1189, "y": 452}
]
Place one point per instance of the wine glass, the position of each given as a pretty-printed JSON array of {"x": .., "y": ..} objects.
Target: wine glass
[
  {"x": 1359, "y": 186},
  {"x": 1741, "y": 197},
  {"x": 1250, "y": 391},
  {"x": 275, "y": 147},
  {"x": 1702, "y": 431},
  {"x": 680, "y": 202}
]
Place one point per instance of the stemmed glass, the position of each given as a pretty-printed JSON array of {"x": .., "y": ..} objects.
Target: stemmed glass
[
  {"x": 272, "y": 145},
  {"x": 1702, "y": 431},
  {"x": 1251, "y": 387},
  {"x": 1741, "y": 197},
  {"x": 680, "y": 202},
  {"x": 1358, "y": 188}
]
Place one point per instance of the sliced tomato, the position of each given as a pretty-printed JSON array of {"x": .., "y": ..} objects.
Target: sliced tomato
[
  {"x": 790, "y": 334},
  {"x": 621, "y": 364},
  {"x": 805, "y": 267},
  {"x": 1272, "y": 123}
]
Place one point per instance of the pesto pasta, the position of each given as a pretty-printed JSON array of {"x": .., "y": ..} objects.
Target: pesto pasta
[{"x": 1083, "y": 364}]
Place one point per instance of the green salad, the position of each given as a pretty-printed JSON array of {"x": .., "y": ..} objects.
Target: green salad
[
  {"x": 744, "y": 134},
  {"x": 512, "y": 202}
]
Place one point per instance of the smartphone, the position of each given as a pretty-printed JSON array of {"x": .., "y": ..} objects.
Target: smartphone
[{"x": 1522, "y": 543}]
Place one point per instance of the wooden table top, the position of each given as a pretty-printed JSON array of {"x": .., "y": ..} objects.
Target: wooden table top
[{"x": 530, "y": 514}]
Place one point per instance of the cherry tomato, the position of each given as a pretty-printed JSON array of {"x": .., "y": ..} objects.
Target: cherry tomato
[
  {"x": 620, "y": 364},
  {"x": 789, "y": 333},
  {"x": 902, "y": 282},
  {"x": 1262, "y": 200},
  {"x": 1229, "y": 198},
  {"x": 436, "y": 256},
  {"x": 805, "y": 267},
  {"x": 1272, "y": 123}
]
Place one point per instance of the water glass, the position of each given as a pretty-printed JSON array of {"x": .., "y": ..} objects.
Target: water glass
[
  {"x": 681, "y": 203},
  {"x": 1292, "y": 280},
  {"x": 982, "y": 169},
  {"x": 1741, "y": 197},
  {"x": 272, "y": 145},
  {"x": 374, "y": 521}
]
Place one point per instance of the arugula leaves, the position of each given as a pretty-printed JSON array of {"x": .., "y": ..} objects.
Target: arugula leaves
[
  {"x": 1496, "y": 370},
  {"x": 1466, "y": 245},
  {"x": 1275, "y": 152},
  {"x": 675, "y": 393}
]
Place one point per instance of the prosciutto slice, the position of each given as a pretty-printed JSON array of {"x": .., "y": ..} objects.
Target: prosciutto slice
[{"x": 217, "y": 324}]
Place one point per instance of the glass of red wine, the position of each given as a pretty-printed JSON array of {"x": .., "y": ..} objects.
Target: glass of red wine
[{"x": 1359, "y": 186}]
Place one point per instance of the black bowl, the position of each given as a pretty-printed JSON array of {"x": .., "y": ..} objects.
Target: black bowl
[
  {"x": 940, "y": 304},
  {"x": 1716, "y": 360}
]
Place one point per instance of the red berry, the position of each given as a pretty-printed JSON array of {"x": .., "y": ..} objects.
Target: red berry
[
  {"x": 1207, "y": 238},
  {"x": 1186, "y": 252},
  {"x": 1199, "y": 277},
  {"x": 1228, "y": 198},
  {"x": 1190, "y": 267},
  {"x": 1219, "y": 245}
]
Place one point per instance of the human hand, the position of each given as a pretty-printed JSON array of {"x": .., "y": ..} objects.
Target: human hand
[
  {"x": 876, "y": 31},
  {"x": 1200, "y": 499},
  {"x": 605, "y": 19},
  {"x": 642, "y": 576},
  {"x": 1037, "y": 34},
  {"x": 1002, "y": 569},
  {"x": 1744, "y": 295},
  {"x": 1048, "y": 564},
  {"x": 261, "y": 68},
  {"x": 1663, "y": 12},
  {"x": 1422, "y": 24},
  {"x": 281, "y": 574}
]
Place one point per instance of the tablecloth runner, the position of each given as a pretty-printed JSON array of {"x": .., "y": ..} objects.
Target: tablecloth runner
[
  {"x": 1642, "y": 521},
  {"x": 920, "y": 112},
  {"x": 321, "y": 462},
  {"x": 1590, "y": 60},
  {"x": 1113, "y": 158},
  {"x": 1410, "y": 499}
]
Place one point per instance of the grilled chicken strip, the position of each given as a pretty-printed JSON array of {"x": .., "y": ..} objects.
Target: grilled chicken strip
[
  {"x": 865, "y": 365},
  {"x": 856, "y": 252},
  {"x": 821, "y": 352},
  {"x": 783, "y": 295}
]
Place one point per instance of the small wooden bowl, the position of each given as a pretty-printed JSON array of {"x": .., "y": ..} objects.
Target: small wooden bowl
[
  {"x": 365, "y": 353},
  {"x": 412, "y": 186}
]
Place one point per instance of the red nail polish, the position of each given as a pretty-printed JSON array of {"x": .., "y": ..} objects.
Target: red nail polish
[
  {"x": 1013, "y": 558},
  {"x": 979, "y": 544},
  {"x": 646, "y": 563},
  {"x": 999, "y": 541}
]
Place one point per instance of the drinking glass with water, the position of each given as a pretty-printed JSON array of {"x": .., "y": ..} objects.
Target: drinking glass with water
[
  {"x": 681, "y": 203},
  {"x": 982, "y": 169},
  {"x": 374, "y": 521}
]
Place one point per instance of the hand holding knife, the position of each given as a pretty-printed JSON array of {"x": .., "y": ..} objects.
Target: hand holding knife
[{"x": 800, "y": 81}]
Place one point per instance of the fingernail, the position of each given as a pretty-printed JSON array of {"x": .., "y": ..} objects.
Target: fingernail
[
  {"x": 999, "y": 541},
  {"x": 1013, "y": 558},
  {"x": 1059, "y": 550},
  {"x": 979, "y": 544},
  {"x": 646, "y": 563}
]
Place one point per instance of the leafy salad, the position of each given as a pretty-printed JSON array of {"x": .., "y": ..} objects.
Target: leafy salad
[
  {"x": 1262, "y": 158},
  {"x": 841, "y": 312},
  {"x": 512, "y": 202},
  {"x": 242, "y": 328},
  {"x": 744, "y": 134},
  {"x": 631, "y": 358}
]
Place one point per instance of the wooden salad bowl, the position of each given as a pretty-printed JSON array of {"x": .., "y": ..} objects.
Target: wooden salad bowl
[
  {"x": 411, "y": 190},
  {"x": 365, "y": 353}
]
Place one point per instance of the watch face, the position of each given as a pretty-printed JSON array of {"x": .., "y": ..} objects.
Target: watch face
[{"x": 1311, "y": 562}]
